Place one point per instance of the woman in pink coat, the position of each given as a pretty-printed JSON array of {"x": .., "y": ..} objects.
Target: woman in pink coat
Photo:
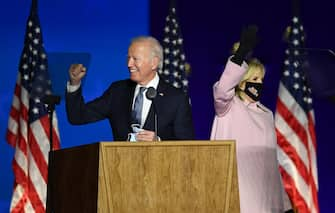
[{"x": 241, "y": 117}]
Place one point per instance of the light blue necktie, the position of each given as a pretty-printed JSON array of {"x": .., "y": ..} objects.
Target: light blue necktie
[{"x": 138, "y": 105}]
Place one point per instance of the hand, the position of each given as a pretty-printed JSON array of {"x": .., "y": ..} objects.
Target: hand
[
  {"x": 76, "y": 72},
  {"x": 146, "y": 135},
  {"x": 248, "y": 41}
]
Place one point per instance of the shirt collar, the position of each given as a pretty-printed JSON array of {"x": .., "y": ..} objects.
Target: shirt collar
[
  {"x": 255, "y": 105},
  {"x": 153, "y": 83}
]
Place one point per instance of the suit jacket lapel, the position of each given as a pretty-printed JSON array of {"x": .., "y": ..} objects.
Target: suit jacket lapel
[
  {"x": 131, "y": 91},
  {"x": 149, "y": 122}
]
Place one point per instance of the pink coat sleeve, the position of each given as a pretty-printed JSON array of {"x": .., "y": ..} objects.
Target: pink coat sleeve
[{"x": 224, "y": 89}]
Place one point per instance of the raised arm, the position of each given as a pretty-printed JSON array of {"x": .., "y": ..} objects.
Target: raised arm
[{"x": 224, "y": 89}]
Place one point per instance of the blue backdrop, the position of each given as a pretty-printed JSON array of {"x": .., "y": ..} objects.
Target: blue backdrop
[
  {"x": 104, "y": 28},
  {"x": 101, "y": 28}
]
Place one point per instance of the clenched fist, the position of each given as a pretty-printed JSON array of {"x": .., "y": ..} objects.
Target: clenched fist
[{"x": 76, "y": 72}]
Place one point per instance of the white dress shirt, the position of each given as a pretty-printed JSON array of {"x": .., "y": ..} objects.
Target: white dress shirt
[{"x": 146, "y": 102}]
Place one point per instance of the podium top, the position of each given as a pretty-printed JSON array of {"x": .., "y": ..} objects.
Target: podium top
[
  {"x": 168, "y": 143},
  {"x": 153, "y": 144}
]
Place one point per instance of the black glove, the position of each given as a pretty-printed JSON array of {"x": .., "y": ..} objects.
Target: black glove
[{"x": 248, "y": 41}]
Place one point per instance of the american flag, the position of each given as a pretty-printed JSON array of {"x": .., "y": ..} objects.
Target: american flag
[
  {"x": 174, "y": 66},
  {"x": 28, "y": 125},
  {"x": 294, "y": 121}
]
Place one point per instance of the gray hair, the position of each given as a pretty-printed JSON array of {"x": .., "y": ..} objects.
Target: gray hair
[{"x": 156, "y": 47}]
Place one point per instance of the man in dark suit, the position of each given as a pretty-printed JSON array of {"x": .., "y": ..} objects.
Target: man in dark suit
[{"x": 145, "y": 57}]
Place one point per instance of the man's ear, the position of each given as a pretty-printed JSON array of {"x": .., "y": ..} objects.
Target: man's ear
[{"x": 155, "y": 63}]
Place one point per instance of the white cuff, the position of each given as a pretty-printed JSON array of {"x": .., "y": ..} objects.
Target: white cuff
[{"x": 72, "y": 88}]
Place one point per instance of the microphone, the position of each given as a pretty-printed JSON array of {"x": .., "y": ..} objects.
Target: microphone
[{"x": 151, "y": 94}]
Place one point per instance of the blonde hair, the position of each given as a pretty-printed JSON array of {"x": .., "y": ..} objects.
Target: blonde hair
[{"x": 254, "y": 65}]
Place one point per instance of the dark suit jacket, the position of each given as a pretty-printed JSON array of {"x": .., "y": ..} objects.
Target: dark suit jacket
[{"x": 173, "y": 110}]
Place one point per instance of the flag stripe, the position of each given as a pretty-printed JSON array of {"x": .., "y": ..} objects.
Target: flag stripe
[
  {"x": 288, "y": 165},
  {"x": 34, "y": 198},
  {"x": 315, "y": 202},
  {"x": 14, "y": 115},
  {"x": 38, "y": 154},
  {"x": 44, "y": 123},
  {"x": 291, "y": 120},
  {"x": 19, "y": 198},
  {"x": 311, "y": 128},
  {"x": 40, "y": 128},
  {"x": 291, "y": 152},
  {"x": 289, "y": 101},
  {"x": 290, "y": 136},
  {"x": 24, "y": 182},
  {"x": 292, "y": 191},
  {"x": 37, "y": 187},
  {"x": 17, "y": 92},
  {"x": 11, "y": 135},
  {"x": 301, "y": 189},
  {"x": 19, "y": 201},
  {"x": 20, "y": 162}
]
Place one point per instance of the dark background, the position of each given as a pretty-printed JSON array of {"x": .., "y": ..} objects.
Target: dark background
[
  {"x": 210, "y": 28},
  {"x": 103, "y": 28}
]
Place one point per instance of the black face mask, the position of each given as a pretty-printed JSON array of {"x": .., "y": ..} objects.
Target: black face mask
[{"x": 253, "y": 90}]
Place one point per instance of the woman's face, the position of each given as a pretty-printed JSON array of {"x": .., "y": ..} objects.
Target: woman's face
[
  {"x": 251, "y": 88},
  {"x": 256, "y": 77}
]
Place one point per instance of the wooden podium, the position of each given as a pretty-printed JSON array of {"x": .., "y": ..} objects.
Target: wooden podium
[{"x": 187, "y": 176}]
